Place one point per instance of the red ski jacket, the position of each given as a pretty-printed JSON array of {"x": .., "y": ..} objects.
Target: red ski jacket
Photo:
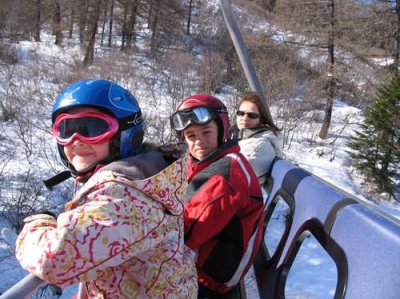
[{"x": 224, "y": 216}]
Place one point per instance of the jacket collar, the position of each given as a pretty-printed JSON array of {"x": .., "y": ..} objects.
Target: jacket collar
[
  {"x": 250, "y": 132},
  {"x": 196, "y": 166}
]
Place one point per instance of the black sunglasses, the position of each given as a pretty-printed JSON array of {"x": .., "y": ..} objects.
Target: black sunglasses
[{"x": 251, "y": 115}]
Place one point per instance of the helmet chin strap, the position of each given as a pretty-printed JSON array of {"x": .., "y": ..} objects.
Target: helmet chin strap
[
  {"x": 86, "y": 174},
  {"x": 57, "y": 179}
]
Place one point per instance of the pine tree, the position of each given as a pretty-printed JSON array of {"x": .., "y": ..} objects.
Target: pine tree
[{"x": 376, "y": 147}]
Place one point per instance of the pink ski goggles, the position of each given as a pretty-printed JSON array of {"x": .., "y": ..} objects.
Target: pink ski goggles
[{"x": 88, "y": 127}]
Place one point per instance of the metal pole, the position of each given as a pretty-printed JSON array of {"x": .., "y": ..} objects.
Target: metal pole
[
  {"x": 24, "y": 288},
  {"x": 241, "y": 50}
]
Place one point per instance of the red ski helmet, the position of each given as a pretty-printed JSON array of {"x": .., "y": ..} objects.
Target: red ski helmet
[{"x": 208, "y": 101}]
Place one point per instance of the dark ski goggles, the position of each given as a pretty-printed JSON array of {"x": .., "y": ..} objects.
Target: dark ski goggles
[
  {"x": 252, "y": 115},
  {"x": 88, "y": 127},
  {"x": 180, "y": 120}
]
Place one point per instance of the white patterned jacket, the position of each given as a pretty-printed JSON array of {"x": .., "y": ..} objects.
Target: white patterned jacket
[{"x": 121, "y": 234}]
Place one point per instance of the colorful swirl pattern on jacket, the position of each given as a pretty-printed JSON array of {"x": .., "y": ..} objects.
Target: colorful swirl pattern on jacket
[{"x": 123, "y": 238}]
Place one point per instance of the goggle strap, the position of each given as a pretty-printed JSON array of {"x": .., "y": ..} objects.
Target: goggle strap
[
  {"x": 214, "y": 109},
  {"x": 130, "y": 121},
  {"x": 221, "y": 109}
]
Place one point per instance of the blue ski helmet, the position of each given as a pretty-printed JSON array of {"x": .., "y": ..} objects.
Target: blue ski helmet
[{"x": 110, "y": 98}]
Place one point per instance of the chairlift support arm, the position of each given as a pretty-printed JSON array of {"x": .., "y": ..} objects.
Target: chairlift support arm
[{"x": 241, "y": 50}]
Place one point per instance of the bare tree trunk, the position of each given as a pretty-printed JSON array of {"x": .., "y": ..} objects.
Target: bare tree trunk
[
  {"x": 83, "y": 12},
  {"x": 38, "y": 25},
  {"x": 154, "y": 29},
  {"x": 272, "y": 5},
  {"x": 104, "y": 22},
  {"x": 124, "y": 26},
  {"x": 150, "y": 13},
  {"x": 110, "y": 25},
  {"x": 57, "y": 23},
  {"x": 323, "y": 133},
  {"x": 397, "y": 53},
  {"x": 89, "y": 55},
  {"x": 189, "y": 17},
  {"x": 130, "y": 29},
  {"x": 269, "y": 4},
  {"x": 331, "y": 79},
  {"x": 71, "y": 23}
]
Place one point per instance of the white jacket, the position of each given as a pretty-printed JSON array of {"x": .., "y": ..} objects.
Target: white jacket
[
  {"x": 122, "y": 234},
  {"x": 260, "y": 146}
]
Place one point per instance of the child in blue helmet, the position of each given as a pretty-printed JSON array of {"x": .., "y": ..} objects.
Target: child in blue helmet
[{"x": 121, "y": 235}]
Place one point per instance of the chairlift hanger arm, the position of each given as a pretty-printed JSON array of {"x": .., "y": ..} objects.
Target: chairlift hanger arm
[{"x": 244, "y": 58}]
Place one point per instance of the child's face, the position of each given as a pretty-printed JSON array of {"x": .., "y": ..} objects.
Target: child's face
[
  {"x": 201, "y": 140},
  {"x": 84, "y": 155}
]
